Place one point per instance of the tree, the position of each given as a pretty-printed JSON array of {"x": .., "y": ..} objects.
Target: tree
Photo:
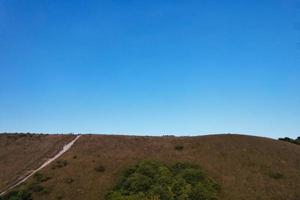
[{"x": 151, "y": 180}]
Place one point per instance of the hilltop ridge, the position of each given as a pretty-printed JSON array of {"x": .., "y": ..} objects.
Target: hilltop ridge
[{"x": 246, "y": 167}]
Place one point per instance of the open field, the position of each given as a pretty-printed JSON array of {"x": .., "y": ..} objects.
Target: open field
[
  {"x": 23, "y": 152},
  {"x": 246, "y": 167}
]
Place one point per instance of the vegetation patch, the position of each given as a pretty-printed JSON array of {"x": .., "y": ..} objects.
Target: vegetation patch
[
  {"x": 179, "y": 147},
  {"x": 290, "y": 140},
  {"x": 17, "y": 195},
  {"x": 151, "y": 180},
  {"x": 59, "y": 164},
  {"x": 100, "y": 168},
  {"x": 276, "y": 175},
  {"x": 69, "y": 180},
  {"x": 25, "y": 192},
  {"x": 59, "y": 197},
  {"x": 39, "y": 177},
  {"x": 37, "y": 188}
]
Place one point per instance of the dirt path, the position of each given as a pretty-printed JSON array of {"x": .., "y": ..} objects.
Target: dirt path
[{"x": 50, "y": 160}]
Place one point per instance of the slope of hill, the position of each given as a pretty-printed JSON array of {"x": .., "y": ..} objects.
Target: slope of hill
[
  {"x": 20, "y": 153},
  {"x": 246, "y": 167}
]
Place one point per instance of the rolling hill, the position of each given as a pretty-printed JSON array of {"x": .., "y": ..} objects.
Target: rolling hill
[{"x": 245, "y": 167}]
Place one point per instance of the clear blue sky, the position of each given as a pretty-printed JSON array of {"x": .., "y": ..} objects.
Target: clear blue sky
[{"x": 150, "y": 67}]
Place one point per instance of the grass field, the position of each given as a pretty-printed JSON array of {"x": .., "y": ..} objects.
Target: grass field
[{"x": 246, "y": 167}]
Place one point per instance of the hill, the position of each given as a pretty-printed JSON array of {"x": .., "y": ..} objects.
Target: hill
[{"x": 245, "y": 167}]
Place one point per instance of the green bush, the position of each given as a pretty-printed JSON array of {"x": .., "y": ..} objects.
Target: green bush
[
  {"x": 297, "y": 141},
  {"x": 287, "y": 139},
  {"x": 59, "y": 164},
  {"x": 39, "y": 177},
  {"x": 24, "y": 192},
  {"x": 100, "y": 168},
  {"x": 59, "y": 197},
  {"x": 17, "y": 195},
  {"x": 151, "y": 180},
  {"x": 179, "y": 147},
  {"x": 276, "y": 175},
  {"x": 37, "y": 188}
]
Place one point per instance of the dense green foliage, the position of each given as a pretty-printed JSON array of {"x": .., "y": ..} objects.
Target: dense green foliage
[
  {"x": 25, "y": 191},
  {"x": 294, "y": 141},
  {"x": 152, "y": 180},
  {"x": 17, "y": 195}
]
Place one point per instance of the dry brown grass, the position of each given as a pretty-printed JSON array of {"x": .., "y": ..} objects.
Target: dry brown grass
[
  {"x": 247, "y": 168},
  {"x": 20, "y": 153}
]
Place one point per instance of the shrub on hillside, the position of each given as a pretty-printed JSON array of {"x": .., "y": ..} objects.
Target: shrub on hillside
[
  {"x": 17, "y": 195},
  {"x": 25, "y": 191},
  {"x": 59, "y": 164},
  {"x": 287, "y": 139},
  {"x": 59, "y": 197},
  {"x": 39, "y": 177},
  {"x": 297, "y": 141},
  {"x": 150, "y": 180},
  {"x": 100, "y": 168},
  {"x": 37, "y": 188},
  {"x": 179, "y": 147},
  {"x": 69, "y": 180},
  {"x": 276, "y": 175}
]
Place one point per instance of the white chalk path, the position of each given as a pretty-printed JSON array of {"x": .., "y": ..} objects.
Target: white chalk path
[{"x": 50, "y": 160}]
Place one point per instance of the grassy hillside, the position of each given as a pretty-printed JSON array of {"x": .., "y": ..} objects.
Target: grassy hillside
[
  {"x": 20, "y": 153},
  {"x": 245, "y": 167}
]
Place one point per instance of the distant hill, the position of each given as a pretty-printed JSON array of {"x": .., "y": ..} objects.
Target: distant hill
[{"x": 245, "y": 167}]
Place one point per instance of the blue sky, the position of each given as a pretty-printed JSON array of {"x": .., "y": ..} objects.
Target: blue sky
[{"x": 150, "y": 67}]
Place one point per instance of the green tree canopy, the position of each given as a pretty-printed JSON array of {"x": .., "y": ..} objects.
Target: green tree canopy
[{"x": 151, "y": 180}]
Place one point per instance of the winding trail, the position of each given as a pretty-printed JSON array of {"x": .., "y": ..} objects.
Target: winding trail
[{"x": 50, "y": 160}]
